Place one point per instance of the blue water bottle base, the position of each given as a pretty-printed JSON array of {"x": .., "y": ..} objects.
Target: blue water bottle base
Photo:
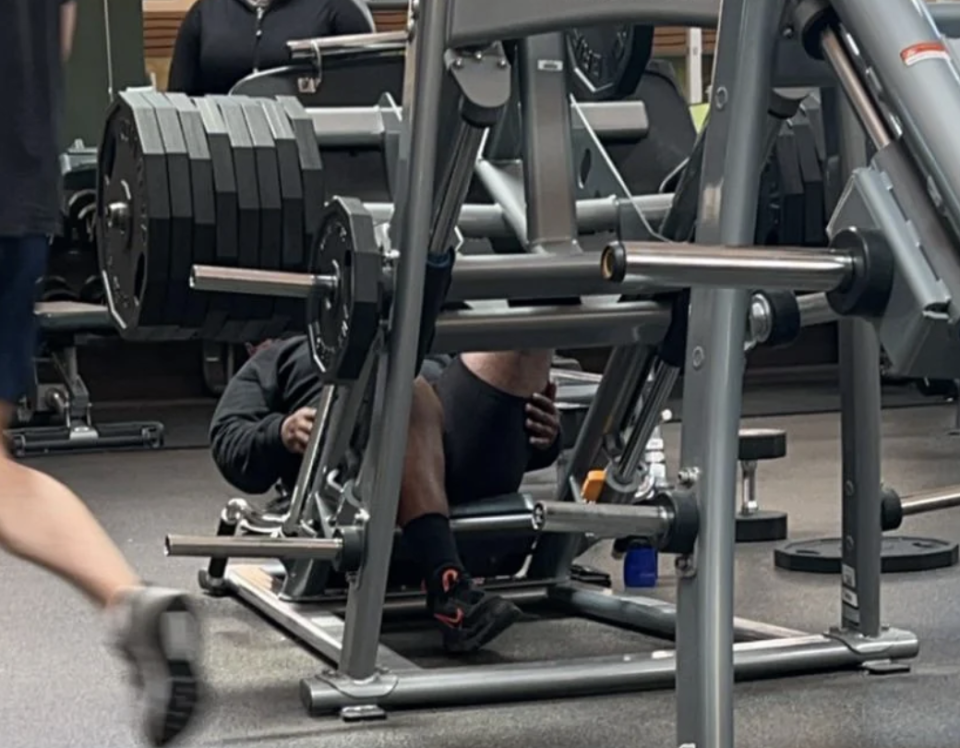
[{"x": 640, "y": 567}]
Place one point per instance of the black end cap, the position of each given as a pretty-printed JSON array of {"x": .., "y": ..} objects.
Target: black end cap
[
  {"x": 785, "y": 317},
  {"x": 810, "y": 19},
  {"x": 891, "y": 509},
  {"x": 613, "y": 262},
  {"x": 351, "y": 555},
  {"x": 867, "y": 292},
  {"x": 682, "y": 538}
]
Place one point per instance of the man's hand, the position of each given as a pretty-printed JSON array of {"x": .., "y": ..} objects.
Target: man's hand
[
  {"x": 543, "y": 420},
  {"x": 296, "y": 428}
]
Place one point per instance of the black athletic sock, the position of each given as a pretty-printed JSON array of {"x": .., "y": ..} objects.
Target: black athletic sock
[{"x": 431, "y": 542}]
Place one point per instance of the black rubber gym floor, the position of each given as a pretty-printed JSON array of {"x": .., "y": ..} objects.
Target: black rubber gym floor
[{"x": 59, "y": 689}]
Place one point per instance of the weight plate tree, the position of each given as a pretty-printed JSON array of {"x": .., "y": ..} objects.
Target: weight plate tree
[{"x": 229, "y": 181}]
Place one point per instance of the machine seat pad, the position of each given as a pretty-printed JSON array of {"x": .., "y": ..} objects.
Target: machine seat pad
[
  {"x": 511, "y": 503},
  {"x": 72, "y": 316}
]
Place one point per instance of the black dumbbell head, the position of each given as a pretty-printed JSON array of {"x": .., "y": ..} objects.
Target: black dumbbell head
[{"x": 762, "y": 444}]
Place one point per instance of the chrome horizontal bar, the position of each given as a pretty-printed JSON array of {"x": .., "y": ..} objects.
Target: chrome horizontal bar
[
  {"x": 475, "y": 278},
  {"x": 931, "y": 501},
  {"x": 582, "y": 326},
  {"x": 478, "y": 221},
  {"x": 309, "y": 48},
  {"x": 815, "y": 310},
  {"x": 535, "y": 276},
  {"x": 218, "y": 279},
  {"x": 363, "y": 126},
  {"x": 493, "y": 523},
  {"x": 237, "y": 547},
  {"x": 603, "y": 520},
  {"x": 689, "y": 265}
]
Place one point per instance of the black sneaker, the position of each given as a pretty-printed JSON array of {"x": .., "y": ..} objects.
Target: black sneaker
[
  {"x": 469, "y": 617},
  {"x": 160, "y": 637}
]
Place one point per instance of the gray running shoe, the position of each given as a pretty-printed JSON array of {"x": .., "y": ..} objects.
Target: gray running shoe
[{"x": 159, "y": 635}]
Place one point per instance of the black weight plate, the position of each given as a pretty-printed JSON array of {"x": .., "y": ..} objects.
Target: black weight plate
[
  {"x": 221, "y": 306},
  {"x": 255, "y": 311},
  {"x": 291, "y": 187},
  {"x": 204, "y": 212},
  {"x": 133, "y": 221},
  {"x": 291, "y": 198},
  {"x": 645, "y": 164},
  {"x": 343, "y": 323},
  {"x": 898, "y": 554},
  {"x": 181, "y": 214},
  {"x": 791, "y": 187},
  {"x": 271, "y": 204},
  {"x": 607, "y": 62},
  {"x": 762, "y": 526},
  {"x": 311, "y": 167}
]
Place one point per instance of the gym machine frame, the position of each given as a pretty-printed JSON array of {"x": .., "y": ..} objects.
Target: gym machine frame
[{"x": 854, "y": 271}]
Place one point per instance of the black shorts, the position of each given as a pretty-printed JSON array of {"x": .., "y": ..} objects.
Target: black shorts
[
  {"x": 485, "y": 440},
  {"x": 23, "y": 261}
]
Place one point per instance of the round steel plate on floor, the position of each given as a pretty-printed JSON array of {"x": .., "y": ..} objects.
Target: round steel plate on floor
[
  {"x": 900, "y": 553},
  {"x": 762, "y": 526}
]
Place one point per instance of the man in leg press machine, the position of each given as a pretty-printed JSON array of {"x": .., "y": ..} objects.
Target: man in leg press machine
[{"x": 477, "y": 424}]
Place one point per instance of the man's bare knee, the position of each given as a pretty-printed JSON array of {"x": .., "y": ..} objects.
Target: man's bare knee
[{"x": 426, "y": 411}]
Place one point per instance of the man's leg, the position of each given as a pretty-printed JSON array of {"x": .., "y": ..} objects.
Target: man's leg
[
  {"x": 43, "y": 522},
  {"x": 468, "y": 617}
]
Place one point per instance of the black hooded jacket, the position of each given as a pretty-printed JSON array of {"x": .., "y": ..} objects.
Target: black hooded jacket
[{"x": 222, "y": 41}]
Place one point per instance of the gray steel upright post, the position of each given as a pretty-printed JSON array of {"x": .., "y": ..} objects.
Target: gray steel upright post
[
  {"x": 732, "y": 161},
  {"x": 547, "y": 145},
  {"x": 860, "y": 435},
  {"x": 383, "y": 466}
]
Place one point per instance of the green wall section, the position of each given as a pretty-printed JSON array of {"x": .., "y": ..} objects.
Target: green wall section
[{"x": 87, "y": 71}]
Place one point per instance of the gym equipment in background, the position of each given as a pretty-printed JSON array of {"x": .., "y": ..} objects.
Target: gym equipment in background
[
  {"x": 57, "y": 415},
  {"x": 756, "y": 525},
  {"x": 899, "y": 553}
]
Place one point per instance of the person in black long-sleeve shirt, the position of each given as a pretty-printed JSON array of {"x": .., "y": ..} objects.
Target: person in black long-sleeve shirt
[
  {"x": 478, "y": 422},
  {"x": 221, "y": 42}
]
